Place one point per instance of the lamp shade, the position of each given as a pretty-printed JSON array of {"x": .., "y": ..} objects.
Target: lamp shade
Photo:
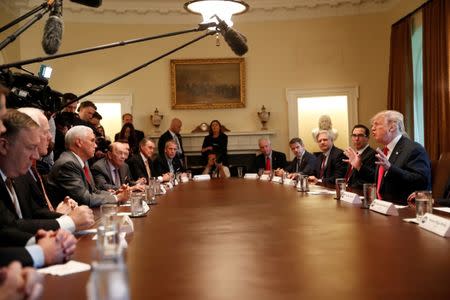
[{"x": 224, "y": 9}]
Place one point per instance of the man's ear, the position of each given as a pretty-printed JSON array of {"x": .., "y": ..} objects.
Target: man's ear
[
  {"x": 78, "y": 143},
  {"x": 4, "y": 146}
]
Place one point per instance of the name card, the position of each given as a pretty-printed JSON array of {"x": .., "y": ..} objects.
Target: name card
[
  {"x": 184, "y": 179},
  {"x": 126, "y": 224},
  {"x": 288, "y": 181},
  {"x": 251, "y": 176},
  {"x": 384, "y": 207},
  {"x": 202, "y": 177},
  {"x": 264, "y": 177},
  {"x": 436, "y": 224},
  {"x": 350, "y": 198},
  {"x": 277, "y": 179}
]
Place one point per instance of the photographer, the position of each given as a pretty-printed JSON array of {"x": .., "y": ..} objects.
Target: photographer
[{"x": 215, "y": 168}]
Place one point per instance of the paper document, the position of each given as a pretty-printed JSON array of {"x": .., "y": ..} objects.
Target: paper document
[
  {"x": 68, "y": 268},
  {"x": 444, "y": 209}
]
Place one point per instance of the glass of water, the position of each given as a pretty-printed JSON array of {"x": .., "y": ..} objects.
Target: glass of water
[{"x": 424, "y": 204}]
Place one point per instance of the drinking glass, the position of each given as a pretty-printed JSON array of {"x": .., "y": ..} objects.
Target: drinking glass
[
  {"x": 341, "y": 186},
  {"x": 369, "y": 190},
  {"x": 424, "y": 204}
]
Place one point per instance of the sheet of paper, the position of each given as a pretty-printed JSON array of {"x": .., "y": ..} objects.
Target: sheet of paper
[
  {"x": 69, "y": 267},
  {"x": 401, "y": 206},
  {"x": 411, "y": 220},
  {"x": 444, "y": 209}
]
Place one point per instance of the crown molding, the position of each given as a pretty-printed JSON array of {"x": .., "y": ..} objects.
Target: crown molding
[{"x": 172, "y": 12}]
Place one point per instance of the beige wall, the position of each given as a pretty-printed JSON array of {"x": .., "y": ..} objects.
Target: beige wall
[{"x": 326, "y": 52}]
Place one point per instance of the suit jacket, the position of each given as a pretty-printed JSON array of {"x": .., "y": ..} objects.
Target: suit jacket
[
  {"x": 410, "y": 171},
  {"x": 67, "y": 179},
  {"x": 8, "y": 255},
  {"x": 104, "y": 179},
  {"x": 335, "y": 167},
  {"x": 162, "y": 143},
  {"x": 357, "y": 178},
  {"x": 162, "y": 166},
  {"x": 137, "y": 167},
  {"x": 13, "y": 237},
  {"x": 308, "y": 165},
  {"x": 278, "y": 161},
  {"x": 33, "y": 216}
]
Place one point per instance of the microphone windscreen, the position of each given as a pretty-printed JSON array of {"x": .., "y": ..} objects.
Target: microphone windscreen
[
  {"x": 53, "y": 32},
  {"x": 90, "y": 3},
  {"x": 236, "y": 41}
]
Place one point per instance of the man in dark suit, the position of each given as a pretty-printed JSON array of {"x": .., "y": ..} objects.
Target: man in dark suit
[
  {"x": 166, "y": 165},
  {"x": 141, "y": 165},
  {"x": 127, "y": 118},
  {"x": 269, "y": 159},
  {"x": 111, "y": 172},
  {"x": 173, "y": 134},
  {"x": 330, "y": 164},
  {"x": 303, "y": 162},
  {"x": 403, "y": 165},
  {"x": 71, "y": 175},
  {"x": 18, "y": 208},
  {"x": 362, "y": 154}
]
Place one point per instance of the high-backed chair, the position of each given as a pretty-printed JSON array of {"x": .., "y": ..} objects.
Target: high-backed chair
[{"x": 440, "y": 174}]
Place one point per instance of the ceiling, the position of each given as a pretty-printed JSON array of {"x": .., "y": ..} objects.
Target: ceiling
[{"x": 172, "y": 11}]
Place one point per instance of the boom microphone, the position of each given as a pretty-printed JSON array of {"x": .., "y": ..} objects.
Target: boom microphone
[
  {"x": 236, "y": 41},
  {"x": 53, "y": 29}
]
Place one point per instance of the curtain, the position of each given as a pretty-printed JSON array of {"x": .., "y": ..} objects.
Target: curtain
[
  {"x": 401, "y": 84},
  {"x": 436, "y": 77}
]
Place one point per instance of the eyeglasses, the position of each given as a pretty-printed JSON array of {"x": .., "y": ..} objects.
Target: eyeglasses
[{"x": 358, "y": 135}]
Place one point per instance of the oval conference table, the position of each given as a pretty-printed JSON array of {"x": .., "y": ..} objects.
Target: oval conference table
[{"x": 246, "y": 239}]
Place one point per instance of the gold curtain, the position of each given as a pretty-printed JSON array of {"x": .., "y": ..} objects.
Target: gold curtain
[
  {"x": 401, "y": 82},
  {"x": 436, "y": 77}
]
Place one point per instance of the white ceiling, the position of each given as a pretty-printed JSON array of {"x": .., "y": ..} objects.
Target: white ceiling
[{"x": 172, "y": 11}]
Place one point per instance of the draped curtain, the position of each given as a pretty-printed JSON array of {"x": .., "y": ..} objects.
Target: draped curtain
[
  {"x": 436, "y": 77},
  {"x": 401, "y": 82}
]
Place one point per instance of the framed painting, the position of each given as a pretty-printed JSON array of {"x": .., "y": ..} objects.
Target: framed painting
[{"x": 207, "y": 83}]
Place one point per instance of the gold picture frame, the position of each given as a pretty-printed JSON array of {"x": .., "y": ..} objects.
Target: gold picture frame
[{"x": 207, "y": 83}]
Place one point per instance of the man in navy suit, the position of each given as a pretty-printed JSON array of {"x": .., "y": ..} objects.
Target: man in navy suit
[
  {"x": 167, "y": 164},
  {"x": 365, "y": 156},
  {"x": 403, "y": 165},
  {"x": 331, "y": 164},
  {"x": 304, "y": 162},
  {"x": 173, "y": 134},
  {"x": 269, "y": 159}
]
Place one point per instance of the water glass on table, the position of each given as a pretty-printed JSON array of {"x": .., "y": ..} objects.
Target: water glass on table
[
  {"x": 424, "y": 204},
  {"x": 341, "y": 186},
  {"x": 369, "y": 190}
]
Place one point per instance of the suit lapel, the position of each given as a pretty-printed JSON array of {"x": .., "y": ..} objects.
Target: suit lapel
[
  {"x": 6, "y": 198},
  {"x": 397, "y": 150}
]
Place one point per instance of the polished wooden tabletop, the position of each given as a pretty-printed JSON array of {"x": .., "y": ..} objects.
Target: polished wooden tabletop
[{"x": 245, "y": 239}]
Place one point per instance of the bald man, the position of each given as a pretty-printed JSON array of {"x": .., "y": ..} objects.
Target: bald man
[{"x": 173, "y": 134}]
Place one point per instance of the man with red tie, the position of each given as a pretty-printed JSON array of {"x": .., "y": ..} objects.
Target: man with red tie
[
  {"x": 269, "y": 159},
  {"x": 330, "y": 164},
  {"x": 403, "y": 165},
  {"x": 360, "y": 154},
  {"x": 71, "y": 175}
]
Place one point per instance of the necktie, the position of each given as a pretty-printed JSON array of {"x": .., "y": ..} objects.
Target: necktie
[
  {"x": 175, "y": 137},
  {"x": 322, "y": 166},
  {"x": 381, "y": 174},
  {"x": 299, "y": 162},
  {"x": 116, "y": 178},
  {"x": 15, "y": 200},
  {"x": 268, "y": 166},
  {"x": 41, "y": 183},
  {"x": 86, "y": 174},
  {"x": 147, "y": 168}
]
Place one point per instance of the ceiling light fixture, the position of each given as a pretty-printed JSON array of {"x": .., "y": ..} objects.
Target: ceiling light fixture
[{"x": 224, "y": 9}]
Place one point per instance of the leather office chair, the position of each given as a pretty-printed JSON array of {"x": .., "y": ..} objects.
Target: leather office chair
[{"x": 440, "y": 171}]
